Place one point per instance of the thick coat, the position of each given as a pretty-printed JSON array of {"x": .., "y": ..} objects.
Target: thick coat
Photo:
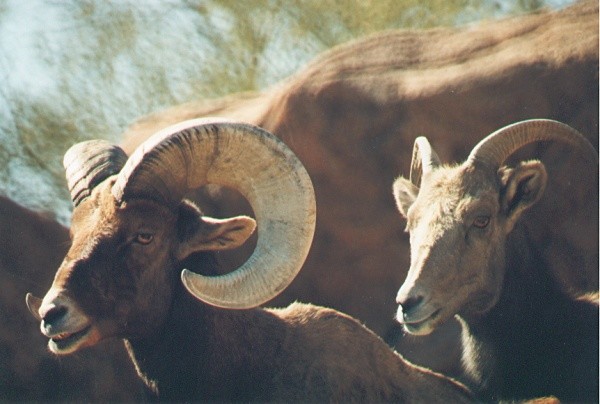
[
  {"x": 473, "y": 257},
  {"x": 136, "y": 243}
]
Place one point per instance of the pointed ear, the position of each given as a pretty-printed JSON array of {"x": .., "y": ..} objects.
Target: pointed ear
[
  {"x": 522, "y": 187},
  {"x": 405, "y": 193},
  {"x": 202, "y": 233}
]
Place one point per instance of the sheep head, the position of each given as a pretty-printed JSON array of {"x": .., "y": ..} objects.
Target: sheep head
[
  {"x": 459, "y": 216},
  {"x": 131, "y": 229}
]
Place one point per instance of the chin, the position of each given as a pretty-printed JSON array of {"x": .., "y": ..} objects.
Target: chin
[{"x": 67, "y": 343}]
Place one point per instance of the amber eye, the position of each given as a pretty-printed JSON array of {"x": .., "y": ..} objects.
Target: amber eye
[
  {"x": 144, "y": 238},
  {"x": 481, "y": 221}
]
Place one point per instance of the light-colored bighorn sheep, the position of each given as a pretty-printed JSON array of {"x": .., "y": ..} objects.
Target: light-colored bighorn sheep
[
  {"x": 133, "y": 233},
  {"x": 523, "y": 336}
]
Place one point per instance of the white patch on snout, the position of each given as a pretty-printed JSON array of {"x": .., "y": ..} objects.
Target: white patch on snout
[
  {"x": 422, "y": 319},
  {"x": 399, "y": 315},
  {"x": 69, "y": 331}
]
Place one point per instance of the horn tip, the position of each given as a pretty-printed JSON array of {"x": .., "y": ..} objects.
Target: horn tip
[{"x": 33, "y": 304}]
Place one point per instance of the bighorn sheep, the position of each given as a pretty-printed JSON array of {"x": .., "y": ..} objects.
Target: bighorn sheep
[
  {"x": 522, "y": 335},
  {"x": 132, "y": 234}
]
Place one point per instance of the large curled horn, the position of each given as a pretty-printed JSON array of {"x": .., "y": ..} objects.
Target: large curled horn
[
  {"x": 493, "y": 150},
  {"x": 258, "y": 165},
  {"x": 424, "y": 159},
  {"x": 89, "y": 163}
]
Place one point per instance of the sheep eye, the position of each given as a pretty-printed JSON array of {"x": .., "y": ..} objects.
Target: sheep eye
[
  {"x": 144, "y": 238},
  {"x": 481, "y": 221}
]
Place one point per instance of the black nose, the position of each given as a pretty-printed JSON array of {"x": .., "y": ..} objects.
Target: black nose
[
  {"x": 410, "y": 303},
  {"x": 54, "y": 314}
]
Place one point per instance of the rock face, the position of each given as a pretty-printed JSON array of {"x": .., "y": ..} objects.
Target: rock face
[{"x": 352, "y": 116}]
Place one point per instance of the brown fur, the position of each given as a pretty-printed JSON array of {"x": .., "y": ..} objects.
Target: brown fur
[
  {"x": 185, "y": 350},
  {"x": 32, "y": 247},
  {"x": 352, "y": 116}
]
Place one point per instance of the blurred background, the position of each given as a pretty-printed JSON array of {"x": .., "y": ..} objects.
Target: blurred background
[{"x": 75, "y": 70}]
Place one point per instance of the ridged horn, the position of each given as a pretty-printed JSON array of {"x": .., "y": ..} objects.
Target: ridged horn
[
  {"x": 493, "y": 150},
  {"x": 89, "y": 163},
  {"x": 424, "y": 159},
  {"x": 257, "y": 164}
]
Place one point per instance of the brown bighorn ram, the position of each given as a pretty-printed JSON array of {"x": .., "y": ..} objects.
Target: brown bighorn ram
[
  {"x": 522, "y": 335},
  {"x": 133, "y": 233}
]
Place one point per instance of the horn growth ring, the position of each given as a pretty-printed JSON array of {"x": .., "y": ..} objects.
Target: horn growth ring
[{"x": 255, "y": 163}]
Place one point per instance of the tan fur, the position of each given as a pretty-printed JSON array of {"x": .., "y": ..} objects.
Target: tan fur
[{"x": 472, "y": 257}]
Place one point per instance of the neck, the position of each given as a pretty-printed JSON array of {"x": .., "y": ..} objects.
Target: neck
[
  {"x": 521, "y": 347},
  {"x": 206, "y": 353}
]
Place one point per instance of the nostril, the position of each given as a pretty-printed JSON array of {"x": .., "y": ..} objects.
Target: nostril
[
  {"x": 410, "y": 303},
  {"x": 55, "y": 313}
]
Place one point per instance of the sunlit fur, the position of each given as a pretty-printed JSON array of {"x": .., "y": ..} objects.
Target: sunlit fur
[
  {"x": 121, "y": 278},
  {"x": 523, "y": 335}
]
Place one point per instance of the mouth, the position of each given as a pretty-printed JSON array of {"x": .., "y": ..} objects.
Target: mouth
[
  {"x": 422, "y": 326},
  {"x": 65, "y": 343}
]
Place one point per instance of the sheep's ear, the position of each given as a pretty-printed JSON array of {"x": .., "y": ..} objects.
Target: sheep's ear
[
  {"x": 522, "y": 187},
  {"x": 405, "y": 193},
  {"x": 203, "y": 233}
]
